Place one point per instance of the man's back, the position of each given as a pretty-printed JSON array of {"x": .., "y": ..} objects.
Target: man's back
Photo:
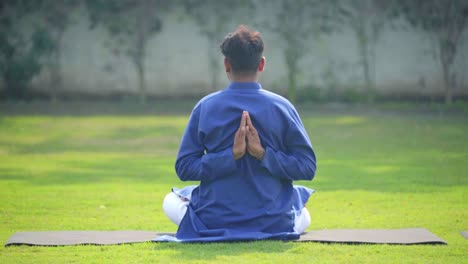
[
  {"x": 245, "y": 146},
  {"x": 245, "y": 194}
]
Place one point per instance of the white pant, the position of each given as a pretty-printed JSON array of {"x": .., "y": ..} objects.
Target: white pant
[{"x": 175, "y": 208}]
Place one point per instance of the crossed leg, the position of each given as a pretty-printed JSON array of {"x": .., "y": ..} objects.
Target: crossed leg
[{"x": 175, "y": 208}]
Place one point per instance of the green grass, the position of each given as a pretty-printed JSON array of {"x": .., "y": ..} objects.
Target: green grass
[{"x": 112, "y": 172}]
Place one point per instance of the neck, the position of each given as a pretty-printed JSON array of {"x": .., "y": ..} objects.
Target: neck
[{"x": 244, "y": 77}]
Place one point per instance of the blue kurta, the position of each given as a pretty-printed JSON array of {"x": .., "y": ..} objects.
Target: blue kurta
[{"x": 244, "y": 199}]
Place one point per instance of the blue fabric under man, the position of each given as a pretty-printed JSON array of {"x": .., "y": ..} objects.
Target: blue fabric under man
[{"x": 245, "y": 146}]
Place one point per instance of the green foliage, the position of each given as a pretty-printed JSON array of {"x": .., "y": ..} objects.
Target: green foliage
[
  {"x": 314, "y": 93},
  {"x": 295, "y": 23},
  {"x": 310, "y": 93},
  {"x": 353, "y": 94},
  {"x": 21, "y": 55},
  {"x": 214, "y": 16},
  {"x": 131, "y": 24},
  {"x": 215, "y": 19},
  {"x": 27, "y": 41},
  {"x": 435, "y": 16},
  {"x": 444, "y": 21},
  {"x": 366, "y": 19},
  {"x": 56, "y": 14},
  {"x": 112, "y": 173},
  {"x": 56, "y": 17}
]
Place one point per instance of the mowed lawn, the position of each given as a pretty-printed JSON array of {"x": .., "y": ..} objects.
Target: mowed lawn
[{"x": 375, "y": 170}]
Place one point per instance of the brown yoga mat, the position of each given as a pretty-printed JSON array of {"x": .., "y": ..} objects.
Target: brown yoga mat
[
  {"x": 407, "y": 236},
  {"x": 66, "y": 238}
]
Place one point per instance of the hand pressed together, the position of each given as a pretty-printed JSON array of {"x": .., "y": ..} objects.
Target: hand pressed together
[
  {"x": 246, "y": 140},
  {"x": 240, "y": 145}
]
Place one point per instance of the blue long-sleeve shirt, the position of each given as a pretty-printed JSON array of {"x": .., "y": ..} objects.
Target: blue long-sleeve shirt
[{"x": 244, "y": 198}]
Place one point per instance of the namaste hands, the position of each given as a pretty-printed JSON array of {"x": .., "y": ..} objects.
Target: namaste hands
[{"x": 246, "y": 140}]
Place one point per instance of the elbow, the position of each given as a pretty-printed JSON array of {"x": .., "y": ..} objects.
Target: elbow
[
  {"x": 311, "y": 169},
  {"x": 181, "y": 172},
  {"x": 312, "y": 166},
  {"x": 307, "y": 173},
  {"x": 312, "y": 173},
  {"x": 309, "y": 166},
  {"x": 305, "y": 170},
  {"x": 183, "y": 176},
  {"x": 186, "y": 171},
  {"x": 184, "y": 179}
]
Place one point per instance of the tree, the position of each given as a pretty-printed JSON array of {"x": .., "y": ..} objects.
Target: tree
[
  {"x": 21, "y": 53},
  {"x": 295, "y": 21},
  {"x": 131, "y": 23},
  {"x": 444, "y": 22},
  {"x": 56, "y": 18},
  {"x": 366, "y": 18},
  {"x": 214, "y": 18}
]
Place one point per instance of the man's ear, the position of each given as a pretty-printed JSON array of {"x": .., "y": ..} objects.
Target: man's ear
[
  {"x": 261, "y": 65},
  {"x": 227, "y": 65}
]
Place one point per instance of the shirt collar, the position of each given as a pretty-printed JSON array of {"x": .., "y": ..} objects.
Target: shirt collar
[{"x": 245, "y": 86}]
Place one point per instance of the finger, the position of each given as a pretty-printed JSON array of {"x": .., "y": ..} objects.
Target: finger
[
  {"x": 240, "y": 134},
  {"x": 245, "y": 115},
  {"x": 249, "y": 133},
  {"x": 243, "y": 119},
  {"x": 249, "y": 123}
]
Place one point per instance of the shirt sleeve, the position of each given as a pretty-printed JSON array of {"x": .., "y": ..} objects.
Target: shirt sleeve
[
  {"x": 193, "y": 163},
  {"x": 297, "y": 161}
]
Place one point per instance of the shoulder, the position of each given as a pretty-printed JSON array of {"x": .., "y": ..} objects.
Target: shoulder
[
  {"x": 279, "y": 101},
  {"x": 284, "y": 107},
  {"x": 210, "y": 97},
  {"x": 207, "y": 99}
]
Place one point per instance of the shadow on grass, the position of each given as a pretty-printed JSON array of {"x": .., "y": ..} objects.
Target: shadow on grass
[
  {"x": 86, "y": 172},
  {"x": 118, "y": 141},
  {"x": 162, "y": 173},
  {"x": 385, "y": 154},
  {"x": 404, "y": 179}
]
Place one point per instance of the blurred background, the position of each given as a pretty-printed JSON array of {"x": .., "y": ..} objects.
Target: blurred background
[{"x": 317, "y": 51}]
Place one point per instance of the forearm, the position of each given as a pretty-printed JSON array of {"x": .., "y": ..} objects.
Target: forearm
[
  {"x": 299, "y": 165},
  {"x": 207, "y": 167}
]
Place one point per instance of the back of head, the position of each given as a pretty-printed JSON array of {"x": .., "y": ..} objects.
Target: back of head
[{"x": 243, "y": 48}]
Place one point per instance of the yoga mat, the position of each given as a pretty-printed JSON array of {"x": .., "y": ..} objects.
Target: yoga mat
[
  {"x": 408, "y": 236},
  {"x": 464, "y": 234},
  {"x": 67, "y": 238}
]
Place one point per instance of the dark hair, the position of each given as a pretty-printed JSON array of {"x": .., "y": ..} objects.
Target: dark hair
[{"x": 243, "y": 48}]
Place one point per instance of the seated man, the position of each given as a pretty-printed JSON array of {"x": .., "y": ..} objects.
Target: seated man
[{"x": 245, "y": 146}]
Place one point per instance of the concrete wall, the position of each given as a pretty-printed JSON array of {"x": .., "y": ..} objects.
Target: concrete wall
[{"x": 177, "y": 62}]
